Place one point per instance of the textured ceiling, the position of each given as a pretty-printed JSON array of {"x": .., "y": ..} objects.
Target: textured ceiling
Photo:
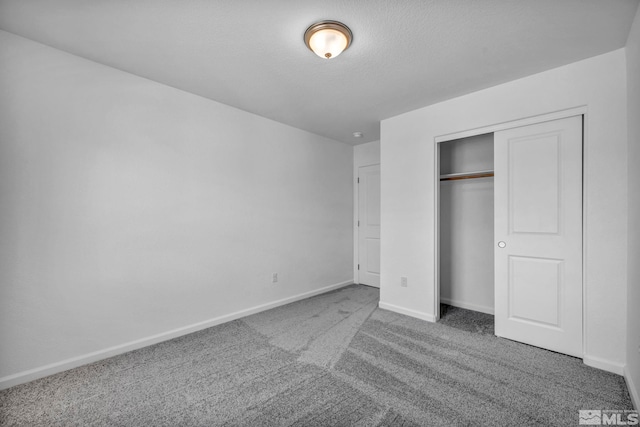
[{"x": 250, "y": 54}]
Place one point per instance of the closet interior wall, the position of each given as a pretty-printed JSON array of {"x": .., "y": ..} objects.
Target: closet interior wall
[{"x": 466, "y": 224}]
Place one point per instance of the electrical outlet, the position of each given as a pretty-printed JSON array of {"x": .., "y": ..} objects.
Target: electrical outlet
[
  {"x": 403, "y": 282},
  {"x": 274, "y": 278}
]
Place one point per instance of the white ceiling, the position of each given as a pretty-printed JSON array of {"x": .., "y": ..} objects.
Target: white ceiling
[{"x": 250, "y": 54}]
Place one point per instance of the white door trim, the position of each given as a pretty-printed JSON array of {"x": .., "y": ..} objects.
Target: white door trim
[
  {"x": 576, "y": 111},
  {"x": 563, "y": 114}
]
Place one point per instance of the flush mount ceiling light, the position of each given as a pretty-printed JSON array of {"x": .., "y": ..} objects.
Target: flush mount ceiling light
[{"x": 328, "y": 39}]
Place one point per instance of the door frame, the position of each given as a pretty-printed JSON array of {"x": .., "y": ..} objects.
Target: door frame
[
  {"x": 492, "y": 128},
  {"x": 356, "y": 218}
]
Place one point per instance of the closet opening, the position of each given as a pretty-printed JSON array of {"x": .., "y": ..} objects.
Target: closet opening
[
  {"x": 511, "y": 245},
  {"x": 466, "y": 233}
]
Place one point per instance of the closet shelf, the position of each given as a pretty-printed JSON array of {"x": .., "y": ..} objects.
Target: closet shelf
[{"x": 466, "y": 175}]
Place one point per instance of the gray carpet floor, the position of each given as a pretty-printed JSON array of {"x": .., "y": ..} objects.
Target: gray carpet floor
[
  {"x": 466, "y": 320},
  {"x": 331, "y": 360}
]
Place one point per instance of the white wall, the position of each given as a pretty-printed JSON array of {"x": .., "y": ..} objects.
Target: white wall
[
  {"x": 131, "y": 211},
  {"x": 633, "y": 291},
  {"x": 366, "y": 154},
  {"x": 363, "y": 155},
  {"x": 407, "y": 161},
  {"x": 466, "y": 225}
]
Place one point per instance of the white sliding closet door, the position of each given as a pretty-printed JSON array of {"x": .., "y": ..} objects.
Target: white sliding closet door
[{"x": 538, "y": 231}]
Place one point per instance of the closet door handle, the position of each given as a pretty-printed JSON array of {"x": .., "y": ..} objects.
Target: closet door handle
[{"x": 502, "y": 244}]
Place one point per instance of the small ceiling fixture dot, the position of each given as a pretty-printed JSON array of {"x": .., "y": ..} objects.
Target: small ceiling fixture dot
[{"x": 357, "y": 134}]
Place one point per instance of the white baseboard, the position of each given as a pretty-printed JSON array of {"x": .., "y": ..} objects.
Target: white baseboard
[
  {"x": 468, "y": 306},
  {"x": 74, "y": 362},
  {"x": 407, "y": 311},
  {"x": 605, "y": 365},
  {"x": 633, "y": 388}
]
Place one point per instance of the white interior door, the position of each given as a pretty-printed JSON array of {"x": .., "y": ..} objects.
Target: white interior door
[
  {"x": 538, "y": 231},
  {"x": 369, "y": 225}
]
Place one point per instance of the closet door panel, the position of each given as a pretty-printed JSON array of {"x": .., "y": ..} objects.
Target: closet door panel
[
  {"x": 535, "y": 287},
  {"x": 538, "y": 233},
  {"x": 533, "y": 164}
]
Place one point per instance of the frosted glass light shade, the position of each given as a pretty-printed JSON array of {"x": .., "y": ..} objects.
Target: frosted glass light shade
[{"x": 328, "y": 39}]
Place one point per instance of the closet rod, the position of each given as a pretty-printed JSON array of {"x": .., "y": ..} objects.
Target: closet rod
[{"x": 466, "y": 175}]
